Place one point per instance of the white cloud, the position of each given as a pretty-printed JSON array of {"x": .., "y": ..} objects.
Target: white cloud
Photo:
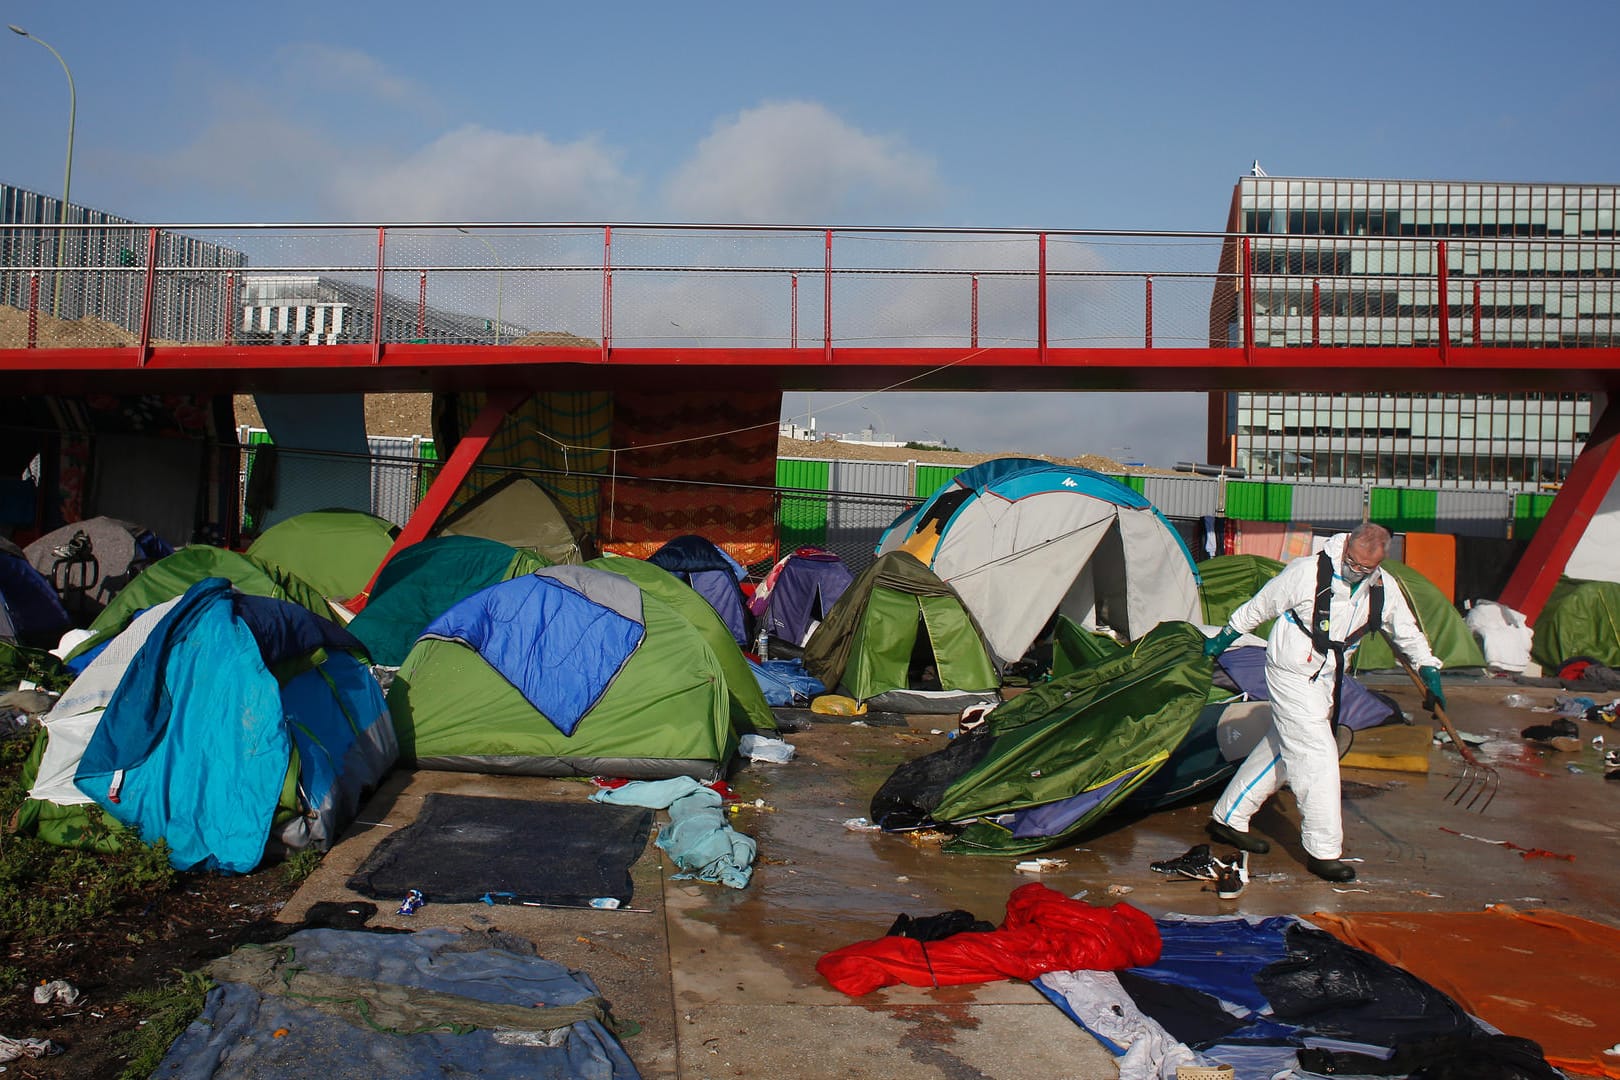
[
  {"x": 796, "y": 161},
  {"x": 314, "y": 67},
  {"x": 476, "y": 174}
]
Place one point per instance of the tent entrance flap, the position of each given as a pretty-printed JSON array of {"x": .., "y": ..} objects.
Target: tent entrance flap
[
  {"x": 959, "y": 661},
  {"x": 883, "y": 645}
]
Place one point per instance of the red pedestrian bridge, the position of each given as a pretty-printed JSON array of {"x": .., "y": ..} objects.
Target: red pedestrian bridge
[{"x": 523, "y": 307}]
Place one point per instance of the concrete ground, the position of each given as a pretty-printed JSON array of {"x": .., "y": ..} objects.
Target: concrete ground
[{"x": 723, "y": 981}]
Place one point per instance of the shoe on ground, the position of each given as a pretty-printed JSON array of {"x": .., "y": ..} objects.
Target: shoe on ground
[
  {"x": 1246, "y": 841},
  {"x": 1233, "y": 876},
  {"x": 1198, "y": 863},
  {"x": 1330, "y": 869}
]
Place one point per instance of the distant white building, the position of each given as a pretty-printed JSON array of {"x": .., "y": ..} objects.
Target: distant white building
[{"x": 1346, "y": 262}]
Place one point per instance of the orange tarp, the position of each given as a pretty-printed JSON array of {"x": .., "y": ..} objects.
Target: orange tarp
[
  {"x": 1539, "y": 974},
  {"x": 1434, "y": 555}
]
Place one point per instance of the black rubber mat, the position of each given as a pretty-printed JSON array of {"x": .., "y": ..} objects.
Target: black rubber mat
[{"x": 464, "y": 848}]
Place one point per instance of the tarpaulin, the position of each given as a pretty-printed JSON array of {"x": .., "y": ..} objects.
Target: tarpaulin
[{"x": 1539, "y": 974}]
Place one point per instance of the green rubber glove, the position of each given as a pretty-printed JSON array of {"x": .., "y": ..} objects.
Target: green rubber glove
[
  {"x": 1218, "y": 644},
  {"x": 1431, "y": 683}
]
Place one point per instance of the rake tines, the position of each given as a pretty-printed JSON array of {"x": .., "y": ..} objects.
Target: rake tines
[{"x": 1478, "y": 780}]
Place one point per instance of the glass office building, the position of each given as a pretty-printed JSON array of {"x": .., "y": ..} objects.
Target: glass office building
[{"x": 1357, "y": 263}]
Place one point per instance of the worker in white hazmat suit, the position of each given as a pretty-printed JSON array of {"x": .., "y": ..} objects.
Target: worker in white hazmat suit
[{"x": 1324, "y": 604}]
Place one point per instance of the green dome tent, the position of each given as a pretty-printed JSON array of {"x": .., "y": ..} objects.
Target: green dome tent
[
  {"x": 749, "y": 710},
  {"x": 1229, "y": 581},
  {"x": 336, "y": 551},
  {"x": 172, "y": 576},
  {"x": 426, "y": 580},
  {"x": 893, "y": 621},
  {"x": 569, "y": 671},
  {"x": 1581, "y": 618},
  {"x": 1448, "y": 635},
  {"x": 517, "y": 510}
]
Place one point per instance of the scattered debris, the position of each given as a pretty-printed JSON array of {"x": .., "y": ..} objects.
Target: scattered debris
[
  {"x": 57, "y": 991},
  {"x": 14, "y": 1049},
  {"x": 760, "y": 748},
  {"x": 1528, "y": 853},
  {"x": 1040, "y": 866},
  {"x": 860, "y": 824}
]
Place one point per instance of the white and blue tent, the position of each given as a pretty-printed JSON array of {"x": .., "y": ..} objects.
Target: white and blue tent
[{"x": 1021, "y": 539}]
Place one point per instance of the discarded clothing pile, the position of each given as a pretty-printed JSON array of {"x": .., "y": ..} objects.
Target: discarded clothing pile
[
  {"x": 1043, "y": 931},
  {"x": 408, "y": 1006},
  {"x": 1271, "y": 995},
  {"x": 697, "y": 837}
]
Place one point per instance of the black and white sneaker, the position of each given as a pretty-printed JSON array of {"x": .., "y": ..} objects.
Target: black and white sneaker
[
  {"x": 1198, "y": 863},
  {"x": 1233, "y": 876}
]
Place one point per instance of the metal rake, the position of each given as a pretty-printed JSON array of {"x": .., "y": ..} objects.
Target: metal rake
[{"x": 1478, "y": 780}]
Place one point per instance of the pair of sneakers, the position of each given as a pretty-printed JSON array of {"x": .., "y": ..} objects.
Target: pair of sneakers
[{"x": 1199, "y": 863}]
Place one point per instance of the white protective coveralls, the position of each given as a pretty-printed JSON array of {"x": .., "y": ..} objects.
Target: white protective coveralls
[{"x": 1299, "y": 749}]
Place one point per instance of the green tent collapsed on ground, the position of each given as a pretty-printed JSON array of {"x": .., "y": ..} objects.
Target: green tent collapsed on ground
[
  {"x": 336, "y": 551},
  {"x": 894, "y": 621},
  {"x": 1060, "y": 756}
]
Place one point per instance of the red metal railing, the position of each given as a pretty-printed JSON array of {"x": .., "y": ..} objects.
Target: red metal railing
[{"x": 1045, "y": 291}]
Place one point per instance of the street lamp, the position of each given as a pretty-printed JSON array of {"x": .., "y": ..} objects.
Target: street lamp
[
  {"x": 499, "y": 273},
  {"x": 67, "y": 175},
  {"x": 879, "y": 417}
]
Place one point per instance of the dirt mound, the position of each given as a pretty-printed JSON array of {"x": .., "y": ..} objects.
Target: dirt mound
[
  {"x": 842, "y": 451},
  {"x": 54, "y": 333},
  {"x": 401, "y": 415}
]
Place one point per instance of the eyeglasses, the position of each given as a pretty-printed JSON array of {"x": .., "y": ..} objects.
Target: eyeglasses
[{"x": 1356, "y": 568}]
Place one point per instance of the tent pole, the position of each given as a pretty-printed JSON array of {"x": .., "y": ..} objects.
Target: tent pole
[
  {"x": 497, "y": 404},
  {"x": 1583, "y": 491}
]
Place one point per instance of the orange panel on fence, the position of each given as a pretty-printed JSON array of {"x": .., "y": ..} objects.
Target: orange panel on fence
[
  {"x": 1434, "y": 555},
  {"x": 1539, "y": 974},
  {"x": 693, "y": 462}
]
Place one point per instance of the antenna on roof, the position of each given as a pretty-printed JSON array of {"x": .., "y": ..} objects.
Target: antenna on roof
[{"x": 1255, "y": 169}]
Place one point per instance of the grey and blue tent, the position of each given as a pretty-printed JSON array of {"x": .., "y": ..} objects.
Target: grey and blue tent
[{"x": 1021, "y": 539}]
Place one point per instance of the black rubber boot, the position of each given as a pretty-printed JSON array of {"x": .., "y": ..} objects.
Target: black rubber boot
[
  {"x": 1247, "y": 841},
  {"x": 1330, "y": 869}
]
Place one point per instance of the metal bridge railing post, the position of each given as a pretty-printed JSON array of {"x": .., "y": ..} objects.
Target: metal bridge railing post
[
  {"x": 1445, "y": 300},
  {"x": 148, "y": 296},
  {"x": 377, "y": 308}
]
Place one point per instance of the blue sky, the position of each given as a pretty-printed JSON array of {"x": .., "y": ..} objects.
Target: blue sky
[{"x": 1046, "y": 115}]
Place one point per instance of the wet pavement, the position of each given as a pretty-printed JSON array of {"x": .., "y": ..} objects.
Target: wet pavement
[{"x": 723, "y": 981}]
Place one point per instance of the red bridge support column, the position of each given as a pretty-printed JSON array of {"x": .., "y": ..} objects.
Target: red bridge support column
[
  {"x": 445, "y": 485},
  {"x": 1583, "y": 492}
]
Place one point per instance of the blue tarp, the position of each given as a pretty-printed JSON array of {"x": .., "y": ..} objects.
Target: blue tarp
[
  {"x": 785, "y": 682},
  {"x": 560, "y": 649},
  {"x": 236, "y": 1034}
]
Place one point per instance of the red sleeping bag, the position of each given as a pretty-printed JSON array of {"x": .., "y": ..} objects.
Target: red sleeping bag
[{"x": 1044, "y": 931}]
